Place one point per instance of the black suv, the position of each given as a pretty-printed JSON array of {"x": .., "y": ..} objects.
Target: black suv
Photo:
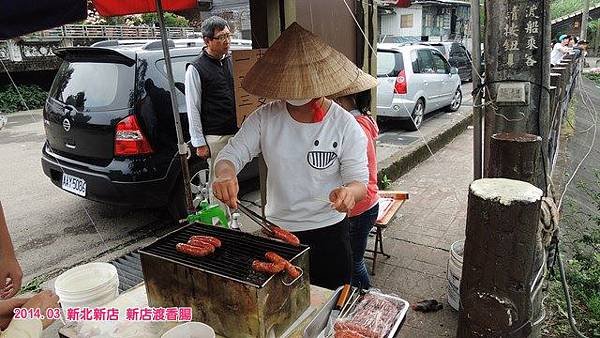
[
  {"x": 457, "y": 55},
  {"x": 110, "y": 129}
]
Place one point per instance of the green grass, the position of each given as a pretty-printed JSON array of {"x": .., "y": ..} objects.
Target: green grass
[
  {"x": 594, "y": 77},
  {"x": 33, "y": 286},
  {"x": 582, "y": 268},
  {"x": 11, "y": 102}
]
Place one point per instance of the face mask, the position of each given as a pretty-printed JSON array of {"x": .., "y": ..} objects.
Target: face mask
[{"x": 298, "y": 103}]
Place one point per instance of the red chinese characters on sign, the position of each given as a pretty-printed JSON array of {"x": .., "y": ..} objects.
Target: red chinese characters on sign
[
  {"x": 185, "y": 314},
  {"x": 172, "y": 313},
  {"x": 159, "y": 314}
]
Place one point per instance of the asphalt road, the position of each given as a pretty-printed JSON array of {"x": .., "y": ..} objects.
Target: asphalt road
[{"x": 52, "y": 229}]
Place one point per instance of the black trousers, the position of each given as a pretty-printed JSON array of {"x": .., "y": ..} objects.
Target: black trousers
[{"x": 330, "y": 254}]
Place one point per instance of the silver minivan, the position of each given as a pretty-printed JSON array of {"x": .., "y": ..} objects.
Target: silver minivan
[{"x": 414, "y": 80}]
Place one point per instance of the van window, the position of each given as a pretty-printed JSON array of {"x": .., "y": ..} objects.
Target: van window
[
  {"x": 425, "y": 62},
  {"x": 179, "y": 67},
  {"x": 94, "y": 86},
  {"x": 389, "y": 64},
  {"x": 439, "y": 64}
]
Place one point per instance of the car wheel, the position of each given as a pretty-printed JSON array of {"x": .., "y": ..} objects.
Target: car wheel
[
  {"x": 416, "y": 117},
  {"x": 199, "y": 175},
  {"x": 456, "y": 100}
]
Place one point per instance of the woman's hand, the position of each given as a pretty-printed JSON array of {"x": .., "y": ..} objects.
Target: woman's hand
[
  {"x": 342, "y": 199},
  {"x": 345, "y": 197},
  {"x": 43, "y": 301},
  {"x": 225, "y": 187},
  {"x": 7, "y": 308}
]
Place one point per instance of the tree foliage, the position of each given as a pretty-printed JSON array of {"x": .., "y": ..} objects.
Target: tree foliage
[{"x": 560, "y": 8}]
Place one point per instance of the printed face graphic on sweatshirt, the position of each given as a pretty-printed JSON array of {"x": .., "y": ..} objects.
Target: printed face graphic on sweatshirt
[{"x": 323, "y": 156}]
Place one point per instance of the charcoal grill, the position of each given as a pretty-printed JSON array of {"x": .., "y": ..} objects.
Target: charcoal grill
[{"x": 222, "y": 289}]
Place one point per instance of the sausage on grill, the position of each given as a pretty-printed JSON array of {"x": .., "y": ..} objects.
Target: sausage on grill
[
  {"x": 199, "y": 242},
  {"x": 193, "y": 250},
  {"x": 269, "y": 268},
  {"x": 285, "y": 236},
  {"x": 210, "y": 239},
  {"x": 289, "y": 267}
]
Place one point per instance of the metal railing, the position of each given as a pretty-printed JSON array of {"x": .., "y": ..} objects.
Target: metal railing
[
  {"x": 563, "y": 80},
  {"x": 107, "y": 32}
]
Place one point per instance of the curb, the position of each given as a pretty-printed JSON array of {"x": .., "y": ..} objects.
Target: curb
[
  {"x": 36, "y": 112},
  {"x": 402, "y": 162}
]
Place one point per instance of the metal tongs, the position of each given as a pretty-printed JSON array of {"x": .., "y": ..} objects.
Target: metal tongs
[{"x": 263, "y": 222}]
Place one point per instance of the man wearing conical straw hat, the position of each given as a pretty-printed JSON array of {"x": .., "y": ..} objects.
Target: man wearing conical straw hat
[
  {"x": 356, "y": 99},
  {"x": 314, "y": 150}
]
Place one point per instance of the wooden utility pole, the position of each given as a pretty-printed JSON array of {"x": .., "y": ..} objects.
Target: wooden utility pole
[
  {"x": 498, "y": 282},
  {"x": 597, "y": 39},
  {"x": 476, "y": 80},
  {"x": 584, "y": 19},
  {"x": 517, "y": 72}
]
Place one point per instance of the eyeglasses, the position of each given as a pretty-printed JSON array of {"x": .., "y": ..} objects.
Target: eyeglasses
[{"x": 223, "y": 37}]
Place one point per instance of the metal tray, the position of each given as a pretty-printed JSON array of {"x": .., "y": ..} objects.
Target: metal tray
[{"x": 316, "y": 327}]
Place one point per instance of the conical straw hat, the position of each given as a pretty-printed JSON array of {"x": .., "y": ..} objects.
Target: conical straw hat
[
  {"x": 364, "y": 82},
  {"x": 299, "y": 65}
]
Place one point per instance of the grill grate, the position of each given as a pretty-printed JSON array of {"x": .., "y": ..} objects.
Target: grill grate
[{"x": 232, "y": 260}]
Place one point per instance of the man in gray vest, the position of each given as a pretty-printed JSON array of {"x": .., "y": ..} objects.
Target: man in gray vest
[{"x": 209, "y": 92}]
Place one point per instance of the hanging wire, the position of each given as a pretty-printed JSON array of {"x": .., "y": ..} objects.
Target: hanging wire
[{"x": 594, "y": 116}]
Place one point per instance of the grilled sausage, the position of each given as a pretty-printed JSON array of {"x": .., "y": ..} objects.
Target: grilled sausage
[
  {"x": 196, "y": 251},
  {"x": 199, "y": 243},
  {"x": 210, "y": 239},
  {"x": 292, "y": 271},
  {"x": 274, "y": 257},
  {"x": 289, "y": 267},
  {"x": 269, "y": 268},
  {"x": 285, "y": 236}
]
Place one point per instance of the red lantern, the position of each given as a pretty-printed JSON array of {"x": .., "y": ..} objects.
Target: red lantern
[{"x": 126, "y": 7}]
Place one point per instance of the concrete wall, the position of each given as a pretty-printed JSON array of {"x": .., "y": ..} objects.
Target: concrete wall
[{"x": 391, "y": 25}]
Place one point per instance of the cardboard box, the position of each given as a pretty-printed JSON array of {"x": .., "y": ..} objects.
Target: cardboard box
[{"x": 245, "y": 103}]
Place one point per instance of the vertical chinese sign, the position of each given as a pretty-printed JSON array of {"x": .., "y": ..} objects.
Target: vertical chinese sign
[{"x": 521, "y": 37}]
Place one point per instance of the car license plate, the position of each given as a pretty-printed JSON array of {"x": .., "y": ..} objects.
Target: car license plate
[{"x": 73, "y": 184}]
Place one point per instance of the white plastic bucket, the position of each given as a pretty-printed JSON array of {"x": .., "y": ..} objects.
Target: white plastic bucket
[
  {"x": 190, "y": 330},
  {"x": 454, "y": 273},
  {"x": 88, "y": 285}
]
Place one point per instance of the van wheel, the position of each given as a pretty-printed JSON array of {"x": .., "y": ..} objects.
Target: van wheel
[
  {"x": 416, "y": 117},
  {"x": 199, "y": 175},
  {"x": 456, "y": 100}
]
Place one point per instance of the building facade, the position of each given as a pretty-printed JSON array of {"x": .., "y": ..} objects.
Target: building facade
[{"x": 438, "y": 20}]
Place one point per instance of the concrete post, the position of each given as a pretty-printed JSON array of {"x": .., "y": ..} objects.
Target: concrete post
[
  {"x": 498, "y": 276},
  {"x": 513, "y": 156}
]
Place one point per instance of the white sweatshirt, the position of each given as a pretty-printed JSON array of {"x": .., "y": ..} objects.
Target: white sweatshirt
[{"x": 304, "y": 160}]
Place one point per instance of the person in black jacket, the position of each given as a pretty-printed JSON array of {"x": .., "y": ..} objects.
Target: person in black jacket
[{"x": 209, "y": 93}]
